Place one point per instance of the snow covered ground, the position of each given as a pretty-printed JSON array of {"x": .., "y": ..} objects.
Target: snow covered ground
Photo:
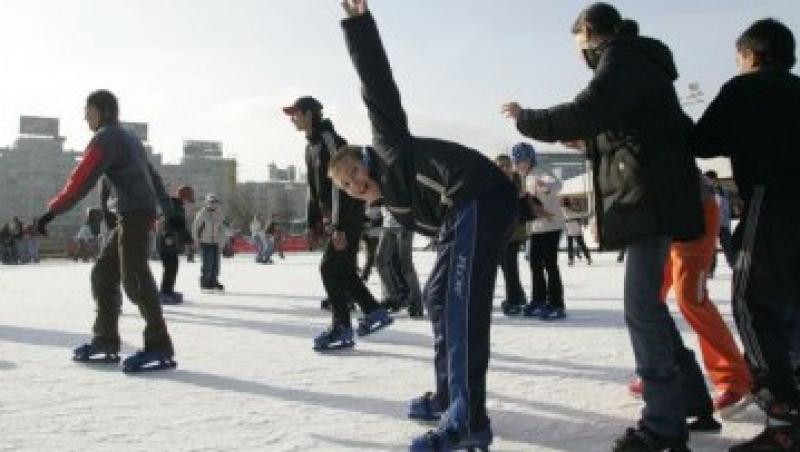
[{"x": 247, "y": 378}]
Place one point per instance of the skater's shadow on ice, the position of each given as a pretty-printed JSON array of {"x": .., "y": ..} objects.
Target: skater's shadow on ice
[
  {"x": 276, "y": 296},
  {"x": 525, "y": 428},
  {"x": 362, "y": 404},
  {"x": 267, "y": 327},
  {"x": 576, "y": 318},
  {"x": 532, "y": 369},
  {"x": 304, "y": 312},
  {"x": 349, "y": 444},
  {"x": 7, "y": 365},
  {"x": 41, "y": 337}
]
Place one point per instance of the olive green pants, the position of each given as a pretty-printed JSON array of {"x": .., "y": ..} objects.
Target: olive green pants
[{"x": 124, "y": 258}]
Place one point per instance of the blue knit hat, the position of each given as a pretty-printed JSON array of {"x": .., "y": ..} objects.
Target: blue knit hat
[{"x": 523, "y": 152}]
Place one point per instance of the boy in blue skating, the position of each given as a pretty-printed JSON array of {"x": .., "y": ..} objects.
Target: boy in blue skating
[{"x": 443, "y": 189}]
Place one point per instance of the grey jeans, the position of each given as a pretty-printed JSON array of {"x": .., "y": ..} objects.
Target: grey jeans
[
  {"x": 673, "y": 383},
  {"x": 399, "y": 239}
]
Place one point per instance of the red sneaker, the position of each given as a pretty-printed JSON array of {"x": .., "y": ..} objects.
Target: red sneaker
[
  {"x": 728, "y": 403},
  {"x": 636, "y": 387}
]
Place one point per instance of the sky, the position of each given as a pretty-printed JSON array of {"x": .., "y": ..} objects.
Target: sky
[{"x": 221, "y": 70}]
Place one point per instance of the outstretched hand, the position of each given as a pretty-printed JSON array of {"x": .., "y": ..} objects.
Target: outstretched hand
[
  {"x": 511, "y": 110},
  {"x": 354, "y": 8}
]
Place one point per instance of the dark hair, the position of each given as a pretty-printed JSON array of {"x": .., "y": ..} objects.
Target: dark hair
[
  {"x": 602, "y": 18},
  {"x": 628, "y": 27},
  {"x": 711, "y": 174},
  {"x": 106, "y": 103},
  {"x": 772, "y": 43},
  {"x": 316, "y": 117}
]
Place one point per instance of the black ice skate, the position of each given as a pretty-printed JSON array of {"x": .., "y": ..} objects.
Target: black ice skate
[
  {"x": 143, "y": 361},
  {"x": 90, "y": 353}
]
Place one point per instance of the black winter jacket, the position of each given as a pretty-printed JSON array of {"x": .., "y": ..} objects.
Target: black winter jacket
[
  {"x": 324, "y": 199},
  {"x": 421, "y": 179},
  {"x": 755, "y": 120},
  {"x": 638, "y": 139}
]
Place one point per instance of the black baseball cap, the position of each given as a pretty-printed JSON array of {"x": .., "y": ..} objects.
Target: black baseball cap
[{"x": 305, "y": 103}]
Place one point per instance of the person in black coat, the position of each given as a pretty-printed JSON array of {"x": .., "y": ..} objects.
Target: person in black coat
[
  {"x": 173, "y": 236},
  {"x": 345, "y": 217},
  {"x": 754, "y": 121},
  {"x": 629, "y": 121},
  {"x": 437, "y": 188}
]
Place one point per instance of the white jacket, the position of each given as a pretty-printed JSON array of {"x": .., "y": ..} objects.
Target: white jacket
[
  {"x": 574, "y": 219},
  {"x": 545, "y": 186},
  {"x": 208, "y": 228}
]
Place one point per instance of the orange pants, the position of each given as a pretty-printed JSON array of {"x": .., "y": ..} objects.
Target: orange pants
[{"x": 687, "y": 269}]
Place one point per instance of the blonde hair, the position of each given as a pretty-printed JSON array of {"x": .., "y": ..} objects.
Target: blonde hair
[{"x": 344, "y": 153}]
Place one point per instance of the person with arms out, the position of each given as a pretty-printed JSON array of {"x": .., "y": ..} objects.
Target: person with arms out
[
  {"x": 345, "y": 215},
  {"x": 630, "y": 122},
  {"x": 444, "y": 189},
  {"x": 754, "y": 122},
  {"x": 119, "y": 156}
]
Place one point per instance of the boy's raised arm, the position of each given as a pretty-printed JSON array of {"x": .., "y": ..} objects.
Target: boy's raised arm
[{"x": 379, "y": 90}]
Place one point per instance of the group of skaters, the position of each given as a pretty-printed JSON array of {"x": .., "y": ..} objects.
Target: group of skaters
[
  {"x": 19, "y": 243},
  {"x": 651, "y": 201}
]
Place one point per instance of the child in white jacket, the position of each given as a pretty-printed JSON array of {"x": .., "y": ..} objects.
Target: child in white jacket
[{"x": 547, "y": 294}]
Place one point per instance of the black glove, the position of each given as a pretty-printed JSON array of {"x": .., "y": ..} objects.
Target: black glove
[{"x": 43, "y": 221}]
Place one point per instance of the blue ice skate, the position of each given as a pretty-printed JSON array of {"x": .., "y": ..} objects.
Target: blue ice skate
[
  {"x": 144, "y": 361},
  {"x": 335, "y": 338},
  {"x": 444, "y": 440},
  {"x": 425, "y": 408},
  {"x": 90, "y": 353},
  {"x": 374, "y": 321},
  {"x": 170, "y": 298},
  {"x": 550, "y": 313}
]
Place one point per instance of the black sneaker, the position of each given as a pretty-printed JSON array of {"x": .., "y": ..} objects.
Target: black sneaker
[
  {"x": 642, "y": 440},
  {"x": 772, "y": 439}
]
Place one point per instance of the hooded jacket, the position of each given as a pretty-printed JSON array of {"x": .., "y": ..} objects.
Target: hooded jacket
[
  {"x": 120, "y": 156},
  {"x": 421, "y": 179},
  {"x": 638, "y": 140},
  {"x": 325, "y": 201}
]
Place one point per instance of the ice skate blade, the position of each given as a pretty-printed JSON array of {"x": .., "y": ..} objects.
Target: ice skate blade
[
  {"x": 107, "y": 359},
  {"x": 149, "y": 367},
  {"x": 334, "y": 347}
]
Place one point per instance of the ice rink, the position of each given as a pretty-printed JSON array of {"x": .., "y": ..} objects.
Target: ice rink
[{"x": 247, "y": 378}]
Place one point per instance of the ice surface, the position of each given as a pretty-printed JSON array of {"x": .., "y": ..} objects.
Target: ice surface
[{"x": 247, "y": 378}]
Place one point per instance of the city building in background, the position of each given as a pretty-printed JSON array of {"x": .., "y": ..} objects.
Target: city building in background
[{"x": 34, "y": 168}]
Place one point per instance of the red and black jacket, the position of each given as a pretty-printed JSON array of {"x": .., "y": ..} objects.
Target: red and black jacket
[{"x": 120, "y": 156}]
